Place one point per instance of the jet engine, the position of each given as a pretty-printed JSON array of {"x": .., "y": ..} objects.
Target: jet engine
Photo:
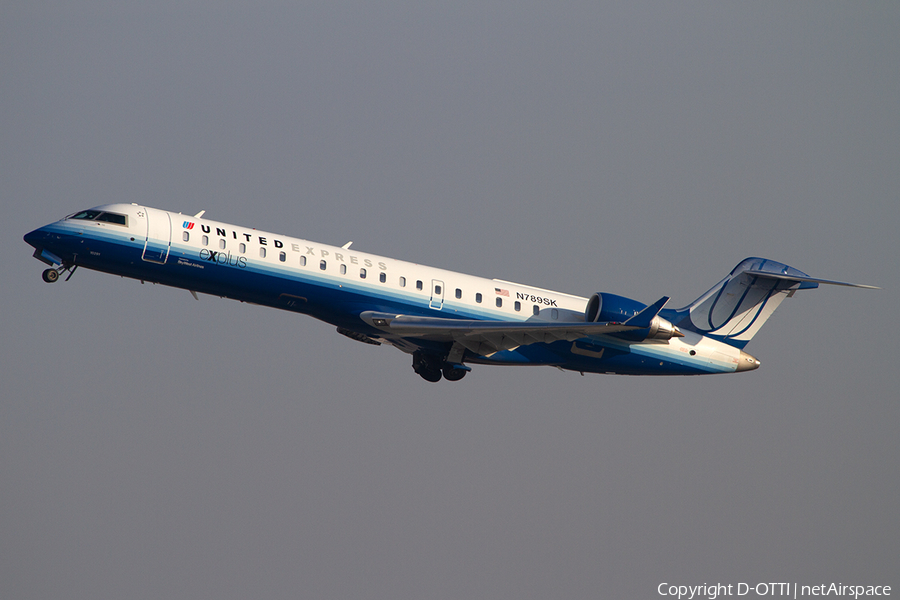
[{"x": 609, "y": 307}]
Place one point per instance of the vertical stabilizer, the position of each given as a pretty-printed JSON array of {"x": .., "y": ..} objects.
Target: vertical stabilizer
[{"x": 735, "y": 308}]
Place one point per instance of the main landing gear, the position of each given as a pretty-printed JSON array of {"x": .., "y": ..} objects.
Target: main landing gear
[
  {"x": 52, "y": 275},
  {"x": 431, "y": 368}
]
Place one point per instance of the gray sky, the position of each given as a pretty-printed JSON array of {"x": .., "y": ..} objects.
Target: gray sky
[{"x": 152, "y": 446}]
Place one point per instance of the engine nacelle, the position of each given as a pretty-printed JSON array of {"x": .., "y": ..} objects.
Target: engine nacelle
[
  {"x": 610, "y": 307},
  {"x": 602, "y": 306}
]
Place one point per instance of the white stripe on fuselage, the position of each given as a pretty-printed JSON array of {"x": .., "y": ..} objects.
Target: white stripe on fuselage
[{"x": 708, "y": 354}]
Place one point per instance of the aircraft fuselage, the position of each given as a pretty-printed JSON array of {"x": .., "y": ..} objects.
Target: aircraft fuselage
[{"x": 350, "y": 289}]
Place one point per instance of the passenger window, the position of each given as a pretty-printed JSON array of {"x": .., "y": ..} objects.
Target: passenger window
[
  {"x": 518, "y": 306},
  {"x": 499, "y": 302},
  {"x": 419, "y": 284},
  {"x": 281, "y": 256},
  {"x": 262, "y": 252},
  {"x": 458, "y": 293},
  {"x": 536, "y": 310},
  {"x": 478, "y": 297},
  {"x": 302, "y": 261},
  {"x": 403, "y": 282},
  {"x": 322, "y": 265},
  {"x": 205, "y": 240},
  {"x": 554, "y": 314},
  {"x": 222, "y": 244},
  {"x": 362, "y": 273},
  {"x": 437, "y": 290},
  {"x": 242, "y": 247},
  {"x": 343, "y": 269},
  {"x": 382, "y": 277},
  {"x": 186, "y": 236}
]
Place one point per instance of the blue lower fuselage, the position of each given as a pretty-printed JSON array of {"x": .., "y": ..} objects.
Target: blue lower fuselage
[{"x": 339, "y": 301}]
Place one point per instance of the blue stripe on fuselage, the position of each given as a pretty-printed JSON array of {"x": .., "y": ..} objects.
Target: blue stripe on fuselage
[{"x": 329, "y": 297}]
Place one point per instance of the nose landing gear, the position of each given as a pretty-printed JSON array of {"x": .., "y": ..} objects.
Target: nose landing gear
[{"x": 52, "y": 275}]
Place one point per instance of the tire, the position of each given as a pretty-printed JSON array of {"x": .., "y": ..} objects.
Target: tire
[
  {"x": 426, "y": 366},
  {"x": 430, "y": 375},
  {"x": 451, "y": 374}
]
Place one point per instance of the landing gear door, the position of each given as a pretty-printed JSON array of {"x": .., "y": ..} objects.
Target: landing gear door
[
  {"x": 437, "y": 295},
  {"x": 159, "y": 236}
]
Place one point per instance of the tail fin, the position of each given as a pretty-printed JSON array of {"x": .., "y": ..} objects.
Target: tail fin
[{"x": 735, "y": 308}]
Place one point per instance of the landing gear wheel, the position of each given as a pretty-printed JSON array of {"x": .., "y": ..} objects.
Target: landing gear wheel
[
  {"x": 451, "y": 374},
  {"x": 50, "y": 275},
  {"x": 427, "y": 367},
  {"x": 430, "y": 375}
]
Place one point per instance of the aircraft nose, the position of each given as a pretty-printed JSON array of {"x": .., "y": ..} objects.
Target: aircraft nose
[
  {"x": 746, "y": 362},
  {"x": 33, "y": 238}
]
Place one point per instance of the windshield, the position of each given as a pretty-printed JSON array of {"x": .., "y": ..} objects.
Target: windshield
[
  {"x": 96, "y": 215},
  {"x": 88, "y": 215}
]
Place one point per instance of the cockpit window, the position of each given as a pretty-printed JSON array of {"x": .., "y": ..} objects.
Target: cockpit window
[
  {"x": 111, "y": 218},
  {"x": 96, "y": 215},
  {"x": 87, "y": 215}
]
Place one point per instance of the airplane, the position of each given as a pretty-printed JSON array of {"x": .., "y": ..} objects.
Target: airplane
[{"x": 446, "y": 320}]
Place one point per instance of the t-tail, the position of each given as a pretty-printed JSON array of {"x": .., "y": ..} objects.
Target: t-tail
[{"x": 735, "y": 308}]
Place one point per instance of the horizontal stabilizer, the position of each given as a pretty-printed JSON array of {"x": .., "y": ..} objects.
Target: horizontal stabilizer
[{"x": 807, "y": 279}]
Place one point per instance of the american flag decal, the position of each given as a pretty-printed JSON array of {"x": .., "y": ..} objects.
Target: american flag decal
[
  {"x": 501, "y": 292},
  {"x": 188, "y": 225}
]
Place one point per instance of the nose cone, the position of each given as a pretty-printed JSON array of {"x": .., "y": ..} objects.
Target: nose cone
[
  {"x": 746, "y": 362},
  {"x": 34, "y": 238}
]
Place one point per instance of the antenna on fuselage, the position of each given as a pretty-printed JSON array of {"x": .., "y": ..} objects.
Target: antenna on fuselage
[
  {"x": 347, "y": 245},
  {"x": 199, "y": 214}
]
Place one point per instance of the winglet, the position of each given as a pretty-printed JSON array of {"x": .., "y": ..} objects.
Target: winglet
[{"x": 643, "y": 318}]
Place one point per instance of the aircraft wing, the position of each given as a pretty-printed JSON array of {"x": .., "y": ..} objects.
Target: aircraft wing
[{"x": 488, "y": 337}]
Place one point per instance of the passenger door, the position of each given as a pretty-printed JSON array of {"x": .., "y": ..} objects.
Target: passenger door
[
  {"x": 159, "y": 236},
  {"x": 437, "y": 295}
]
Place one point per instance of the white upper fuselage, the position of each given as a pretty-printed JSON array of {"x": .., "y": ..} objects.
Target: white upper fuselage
[{"x": 338, "y": 284}]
